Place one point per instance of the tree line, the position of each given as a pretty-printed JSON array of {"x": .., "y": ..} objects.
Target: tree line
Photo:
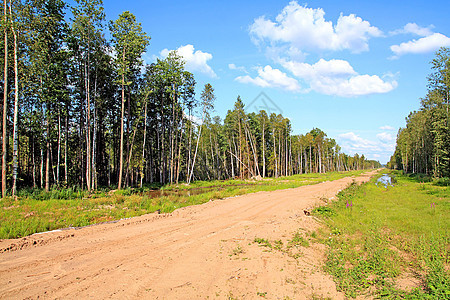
[
  {"x": 423, "y": 146},
  {"x": 82, "y": 110}
]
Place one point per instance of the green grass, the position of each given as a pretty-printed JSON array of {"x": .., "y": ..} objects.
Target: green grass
[
  {"x": 375, "y": 234},
  {"x": 36, "y": 210}
]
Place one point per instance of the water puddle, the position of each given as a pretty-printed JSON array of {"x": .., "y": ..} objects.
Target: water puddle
[{"x": 385, "y": 180}]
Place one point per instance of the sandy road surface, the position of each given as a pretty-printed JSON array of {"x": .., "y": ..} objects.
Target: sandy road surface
[{"x": 197, "y": 252}]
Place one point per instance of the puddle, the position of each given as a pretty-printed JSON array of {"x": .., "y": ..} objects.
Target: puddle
[{"x": 385, "y": 180}]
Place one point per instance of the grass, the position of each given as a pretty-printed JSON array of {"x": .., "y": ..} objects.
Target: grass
[
  {"x": 378, "y": 234},
  {"x": 35, "y": 210},
  {"x": 291, "y": 247}
]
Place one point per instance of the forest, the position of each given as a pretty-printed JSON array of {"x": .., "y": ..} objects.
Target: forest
[
  {"x": 423, "y": 146},
  {"x": 82, "y": 110}
]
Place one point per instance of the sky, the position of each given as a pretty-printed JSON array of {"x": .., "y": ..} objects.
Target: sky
[{"x": 354, "y": 69}]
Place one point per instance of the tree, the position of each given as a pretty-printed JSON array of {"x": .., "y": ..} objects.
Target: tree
[
  {"x": 5, "y": 97},
  {"x": 87, "y": 30},
  {"x": 423, "y": 146},
  {"x": 207, "y": 103},
  {"x": 16, "y": 103},
  {"x": 129, "y": 42}
]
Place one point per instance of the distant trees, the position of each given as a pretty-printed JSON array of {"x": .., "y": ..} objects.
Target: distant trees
[
  {"x": 81, "y": 110},
  {"x": 423, "y": 146}
]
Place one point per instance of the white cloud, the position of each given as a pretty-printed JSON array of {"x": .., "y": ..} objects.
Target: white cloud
[
  {"x": 356, "y": 140},
  {"x": 269, "y": 77},
  {"x": 387, "y": 127},
  {"x": 426, "y": 44},
  {"x": 234, "y": 67},
  {"x": 194, "y": 119},
  {"x": 195, "y": 60},
  {"x": 337, "y": 77},
  {"x": 386, "y": 137},
  {"x": 306, "y": 28},
  {"x": 414, "y": 29},
  {"x": 352, "y": 143}
]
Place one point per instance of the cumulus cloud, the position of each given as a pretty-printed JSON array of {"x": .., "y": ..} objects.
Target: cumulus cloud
[
  {"x": 196, "y": 61},
  {"x": 429, "y": 41},
  {"x": 414, "y": 29},
  {"x": 337, "y": 77},
  {"x": 357, "y": 142},
  {"x": 426, "y": 44},
  {"x": 386, "y": 137},
  {"x": 269, "y": 77},
  {"x": 387, "y": 127},
  {"x": 306, "y": 28},
  {"x": 238, "y": 68},
  {"x": 194, "y": 119},
  {"x": 353, "y": 143}
]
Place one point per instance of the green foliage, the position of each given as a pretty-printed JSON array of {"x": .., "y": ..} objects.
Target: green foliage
[
  {"x": 324, "y": 211},
  {"x": 423, "y": 146},
  {"x": 129, "y": 41},
  {"x": 263, "y": 242},
  {"x": 298, "y": 240}
]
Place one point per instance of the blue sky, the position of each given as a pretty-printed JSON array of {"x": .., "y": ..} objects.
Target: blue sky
[{"x": 354, "y": 69}]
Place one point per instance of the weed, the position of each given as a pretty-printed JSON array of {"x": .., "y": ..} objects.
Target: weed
[
  {"x": 278, "y": 245},
  {"x": 261, "y": 294},
  {"x": 290, "y": 281},
  {"x": 324, "y": 211},
  {"x": 263, "y": 242},
  {"x": 238, "y": 250},
  {"x": 298, "y": 240}
]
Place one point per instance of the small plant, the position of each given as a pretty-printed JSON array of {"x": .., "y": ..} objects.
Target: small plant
[
  {"x": 238, "y": 250},
  {"x": 278, "y": 245},
  {"x": 298, "y": 240},
  {"x": 263, "y": 242},
  {"x": 324, "y": 211},
  {"x": 261, "y": 294}
]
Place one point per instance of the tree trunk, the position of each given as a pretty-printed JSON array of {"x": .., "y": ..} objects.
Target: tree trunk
[
  {"x": 264, "y": 150},
  {"x": 310, "y": 158},
  {"x": 33, "y": 162},
  {"x": 179, "y": 159},
  {"x": 275, "y": 153},
  {"x": 47, "y": 161},
  {"x": 66, "y": 175},
  {"x": 189, "y": 147},
  {"x": 121, "y": 127},
  {"x": 88, "y": 124},
  {"x": 94, "y": 139},
  {"x": 5, "y": 105},
  {"x": 320, "y": 159},
  {"x": 143, "y": 144},
  {"x": 16, "y": 109},
  {"x": 195, "y": 153},
  {"x": 42, "y": 169},
  {"x": 58, "y": 162}
]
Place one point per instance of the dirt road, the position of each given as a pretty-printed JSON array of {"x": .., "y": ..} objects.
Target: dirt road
[{"x": 198, "y": 252}]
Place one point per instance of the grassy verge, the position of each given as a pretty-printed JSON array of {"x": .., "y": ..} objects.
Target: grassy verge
[
  {"x": 37, "y": 211},
  {"x": 390, "y": 242}
]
